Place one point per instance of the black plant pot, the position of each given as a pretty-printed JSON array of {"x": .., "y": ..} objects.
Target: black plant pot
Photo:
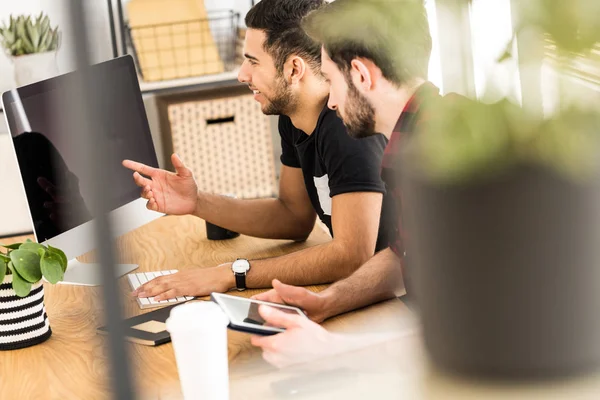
[
  {"x": 506, "y": 273},
  {"x": 23, "y": 320}
]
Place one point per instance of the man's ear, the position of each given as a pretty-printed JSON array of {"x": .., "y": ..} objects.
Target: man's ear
[
  {"x": 365, "y": 73},
  {"x": 294, "y": 69}
]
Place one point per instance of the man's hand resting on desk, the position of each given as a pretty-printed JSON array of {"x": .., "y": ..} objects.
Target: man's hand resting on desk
[
  {"x": 315, "y": 305},
  {"x": 190, "y": 282},
  {"x": 166, "y": 192}
]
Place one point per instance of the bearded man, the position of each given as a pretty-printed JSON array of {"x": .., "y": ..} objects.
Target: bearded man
[{"x": 325, "y": 172}]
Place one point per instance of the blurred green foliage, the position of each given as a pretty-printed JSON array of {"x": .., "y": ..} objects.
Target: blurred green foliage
[
  {"x": 466, "y": 140},
  {"x": 572, "y": 25}
]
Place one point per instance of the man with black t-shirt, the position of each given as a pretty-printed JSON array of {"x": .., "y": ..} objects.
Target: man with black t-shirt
[
  {"x": 378, "y": 83},
  {"x": 325, "y": 172}
]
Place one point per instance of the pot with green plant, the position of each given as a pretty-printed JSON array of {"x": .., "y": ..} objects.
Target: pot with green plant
[
  {"x": 503, "y": 218},
  {"x": 32, "y": 45},
  {"x": 23, "y": 319}
]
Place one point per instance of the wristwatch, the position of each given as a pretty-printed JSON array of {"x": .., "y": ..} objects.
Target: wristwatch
[{"x": 240, "y": 268}]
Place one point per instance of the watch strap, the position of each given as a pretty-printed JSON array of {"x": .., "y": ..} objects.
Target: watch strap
[{"x": 240, "y": 281}]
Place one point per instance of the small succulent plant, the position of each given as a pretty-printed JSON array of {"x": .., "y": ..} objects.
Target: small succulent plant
[
  {"x": 24, "y": 35},
  {"x": 28, "y": 262}
]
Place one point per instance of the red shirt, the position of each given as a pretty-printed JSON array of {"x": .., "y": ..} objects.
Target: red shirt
[{"x": 412, "y": 114}]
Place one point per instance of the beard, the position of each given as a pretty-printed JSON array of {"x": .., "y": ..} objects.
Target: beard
[
  {"x": 360, "y": 114},
  {"x": 282, "y": 102}
]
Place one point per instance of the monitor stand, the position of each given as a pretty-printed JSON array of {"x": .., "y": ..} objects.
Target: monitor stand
[{"x": 89, "y": 274}]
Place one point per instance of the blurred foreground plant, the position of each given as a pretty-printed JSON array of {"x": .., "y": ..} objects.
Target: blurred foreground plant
[{"x": 469, "y": 140}]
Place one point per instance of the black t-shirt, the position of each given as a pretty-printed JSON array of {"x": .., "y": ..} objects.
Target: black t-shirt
[{"x": 334, "y": 163}]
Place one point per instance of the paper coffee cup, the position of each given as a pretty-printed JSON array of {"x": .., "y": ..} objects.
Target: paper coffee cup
[{"x": 199, "y": 335}]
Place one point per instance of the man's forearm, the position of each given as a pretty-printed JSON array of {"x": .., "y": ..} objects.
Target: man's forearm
[
  {"x": 264, "y": 218},
  {"x": 377, "y": 280},
  {"x": 321, "y": 264}
]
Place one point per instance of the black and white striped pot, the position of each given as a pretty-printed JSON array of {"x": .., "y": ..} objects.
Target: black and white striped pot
[{"x": 23, "y": 320}]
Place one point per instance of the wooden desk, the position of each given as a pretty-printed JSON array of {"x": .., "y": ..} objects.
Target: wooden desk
[{"x": 73, "y": 363}]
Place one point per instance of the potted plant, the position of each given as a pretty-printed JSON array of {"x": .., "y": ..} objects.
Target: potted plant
[
  {"x": 503, "y": 218},
  {"x": 32, "y": 46},
  {"x": 23, "y": 319},
  {"x": 502, "y": 208}
]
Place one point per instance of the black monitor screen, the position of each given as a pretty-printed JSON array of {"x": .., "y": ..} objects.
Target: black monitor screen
[{"x": 44, "y": 123}]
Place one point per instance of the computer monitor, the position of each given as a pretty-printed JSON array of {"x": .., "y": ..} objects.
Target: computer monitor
[{"x": 43, "y": 125}]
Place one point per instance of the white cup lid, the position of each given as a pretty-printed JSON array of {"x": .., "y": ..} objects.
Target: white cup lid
[{"x": 196, "y": 316}]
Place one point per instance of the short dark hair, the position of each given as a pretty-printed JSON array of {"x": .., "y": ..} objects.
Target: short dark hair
[
  {"x": 281, "y": 20},
  {"x": 393, "y": 34}
]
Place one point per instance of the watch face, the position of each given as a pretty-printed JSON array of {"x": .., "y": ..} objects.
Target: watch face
[{"x": 240, "y": 266}]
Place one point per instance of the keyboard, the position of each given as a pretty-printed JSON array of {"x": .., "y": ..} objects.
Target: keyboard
[{"x": 138, "y": 279}]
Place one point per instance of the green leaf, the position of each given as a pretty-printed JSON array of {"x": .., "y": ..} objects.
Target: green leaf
[
  {"x": 27, "y": 265},
  {"x": 44, "y": 41},
  {"x": 21, "y": 287},
  {"x": 27, "y": 45},
  {"x": 61, "y": 254},
  {"x": 34, "y": 36},
  {"x": 55, "y": 39},
  {"x": 4, "y": 258},
  {"x": 2, "y": 270},
  {"x": 13, "y": 246},
  {"x": 20, "y": 26},
  {"x": 9, "y": 37},
  {"x": 507, "y": 55},
  {"x": 46, "y": 24},
  {"x": 33, "y": 247},
  {"x": 47, "y": 43},
  {"x": 51, "y": 268},
  {"x": 16, "y": 48}
]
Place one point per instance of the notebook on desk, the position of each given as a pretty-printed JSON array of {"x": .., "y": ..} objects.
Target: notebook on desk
[
  {"x": 149, "y": 329},
  {"x": 138, "y": 279}
]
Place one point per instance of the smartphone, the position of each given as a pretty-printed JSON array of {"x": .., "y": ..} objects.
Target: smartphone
[{"x": 243, "y": 314}]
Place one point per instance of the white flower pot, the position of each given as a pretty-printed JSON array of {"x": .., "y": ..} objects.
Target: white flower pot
[
  {"x": 23, "y": 320},
  {"x": 32, "y": 68}
]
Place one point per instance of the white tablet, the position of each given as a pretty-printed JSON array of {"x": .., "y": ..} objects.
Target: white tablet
[{"x": 243, "y": 313}]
